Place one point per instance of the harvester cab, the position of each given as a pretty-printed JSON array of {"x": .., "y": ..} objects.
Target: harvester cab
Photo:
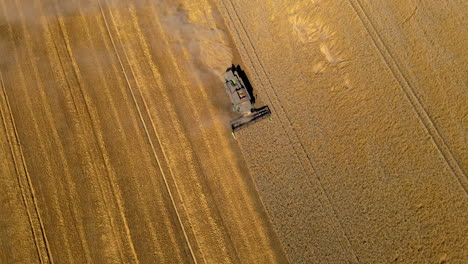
[{"x": 240, "y": 91}]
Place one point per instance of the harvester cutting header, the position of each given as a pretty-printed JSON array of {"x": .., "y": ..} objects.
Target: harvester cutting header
[{"x": 240, "y": 91}]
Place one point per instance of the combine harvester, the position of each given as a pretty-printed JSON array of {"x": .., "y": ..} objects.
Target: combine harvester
[{"x": 240, "y": 91}]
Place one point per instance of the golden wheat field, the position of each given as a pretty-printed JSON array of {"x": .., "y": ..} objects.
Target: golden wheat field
[{"x": 115, "y": 144}]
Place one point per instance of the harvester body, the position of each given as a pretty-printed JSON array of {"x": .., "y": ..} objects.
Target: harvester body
[{"x": 240, "y": 92}]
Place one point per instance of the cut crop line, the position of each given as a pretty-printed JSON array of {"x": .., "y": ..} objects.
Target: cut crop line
[
  {"x": 30, "y": 190},
  {"x": 274, "y": 95},
  {"x": 410, "y": 94},
  {"x": 148, "y": 134}
]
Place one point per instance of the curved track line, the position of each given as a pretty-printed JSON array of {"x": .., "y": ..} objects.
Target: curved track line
[
  {"x": 148, "y": 135},
  {"x": 24, "y": 170},
  {"x": 410, "y": 94},
  {"x": 274, "y": 95}
]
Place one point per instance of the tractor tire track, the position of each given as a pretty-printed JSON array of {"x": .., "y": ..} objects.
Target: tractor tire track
[
  {"x": 301, "y": 152},
  {"x": 101, "y": 186},
  {"x": 94, "y": 130},
  {"x": 96, "y": 127},
  {"x": 146, "y": 112},
  {"x": 409, "y": 91},
  {"x": 27, "y": 193},
  {"x": 70, "y": 188},
  {"x": 86, "y": 104},
  {"x": 166, "y": 183},
  {"x": 22, "y": 83}
]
